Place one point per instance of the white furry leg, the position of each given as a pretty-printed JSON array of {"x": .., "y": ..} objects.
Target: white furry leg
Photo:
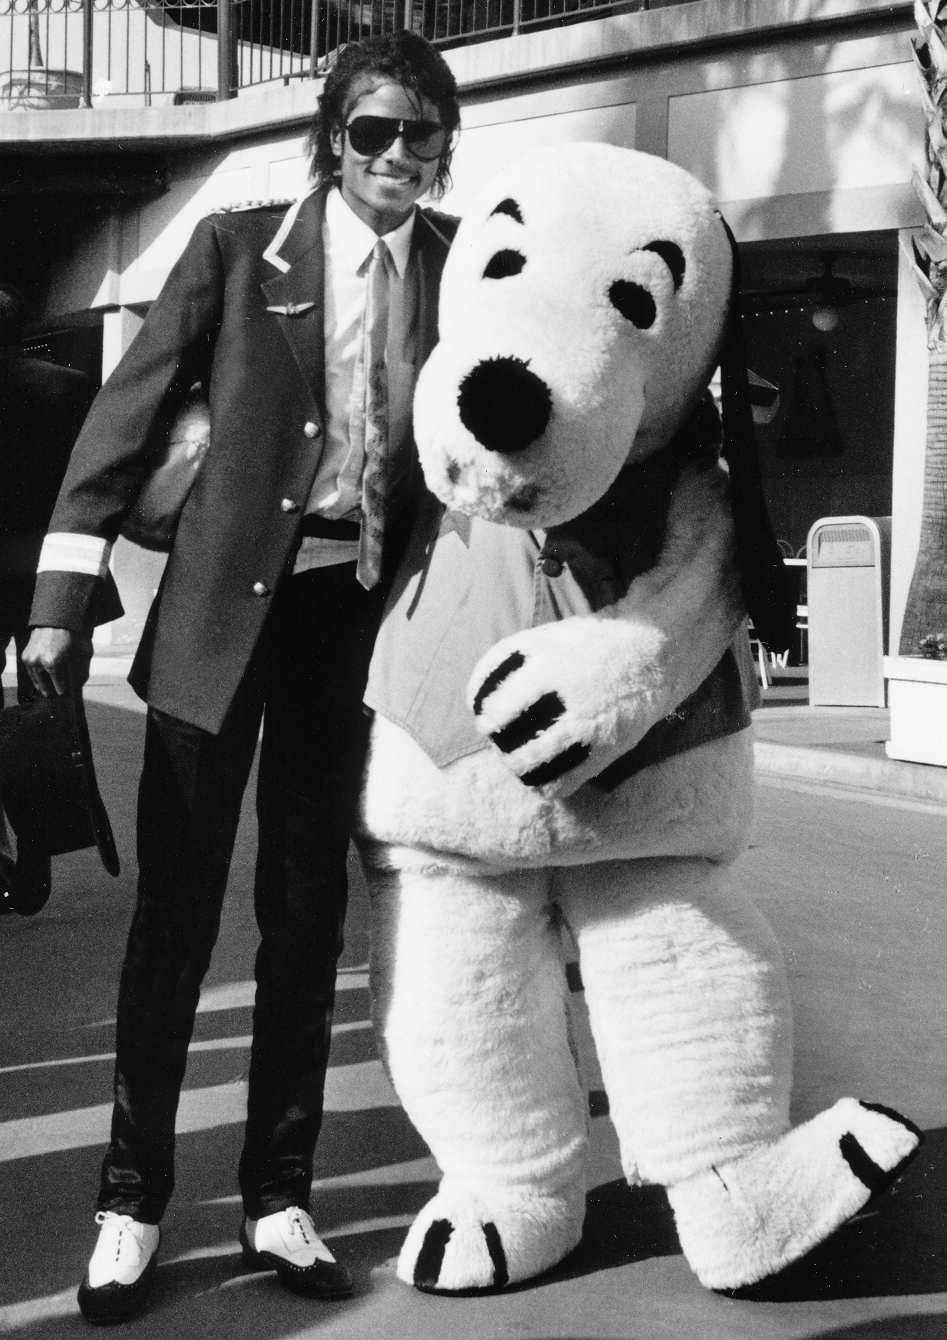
[
  {"x": 748, "y": 1219},
  {"x": 689, "y": 1009},
  {"x": 470, "y": 1006}
]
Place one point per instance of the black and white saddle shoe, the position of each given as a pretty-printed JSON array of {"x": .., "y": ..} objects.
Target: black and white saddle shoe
[
  {"x": 288, "y": 1243},
  {"x": 121, "y": 1269}
]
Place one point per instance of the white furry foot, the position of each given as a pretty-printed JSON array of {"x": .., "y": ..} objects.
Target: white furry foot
[
  {"x": 745, "y": 1220},
  {"x": 460, "y": 1241}
]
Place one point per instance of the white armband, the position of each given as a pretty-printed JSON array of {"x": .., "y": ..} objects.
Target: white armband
[{"x": 63, "y": 552}]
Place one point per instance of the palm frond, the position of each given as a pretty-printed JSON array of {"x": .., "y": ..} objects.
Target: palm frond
[
  {"x": 934, "y": 244},
  {"x": 928, "y": 250},
  {"x": 934, "y": 209}
]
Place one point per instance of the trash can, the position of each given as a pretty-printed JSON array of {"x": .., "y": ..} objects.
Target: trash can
[{"x": 848, "y": 571}]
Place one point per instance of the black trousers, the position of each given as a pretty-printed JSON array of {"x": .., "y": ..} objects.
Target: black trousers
[{"x": 306, "y": 680}]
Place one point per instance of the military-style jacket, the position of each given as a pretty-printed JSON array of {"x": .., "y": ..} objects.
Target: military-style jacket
[{"x": 242, "y": 312}]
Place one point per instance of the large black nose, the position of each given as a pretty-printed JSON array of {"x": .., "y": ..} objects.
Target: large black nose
[{"x": 504, "y": 405}]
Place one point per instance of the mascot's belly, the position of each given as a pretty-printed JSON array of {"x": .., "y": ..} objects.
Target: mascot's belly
[
  {"x": 695, "y": 803},
  {"x": 433, "y": 782}
]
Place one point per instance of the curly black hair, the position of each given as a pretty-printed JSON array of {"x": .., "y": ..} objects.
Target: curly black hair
[{"x": 399, "y": 58}]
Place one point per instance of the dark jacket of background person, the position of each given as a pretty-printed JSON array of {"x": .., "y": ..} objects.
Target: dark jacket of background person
[{"x": 42, "y": 406}]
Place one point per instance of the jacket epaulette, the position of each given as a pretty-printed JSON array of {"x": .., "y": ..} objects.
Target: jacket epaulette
[{"x": 244, "y": 205}]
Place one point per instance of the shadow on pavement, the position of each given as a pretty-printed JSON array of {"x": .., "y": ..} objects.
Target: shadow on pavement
[
  {"x": 891, "y": 1328},
  {"x": 622, "y": 1225},
  {"x": 895, "y": 1247},
  {"x": 893, "y": 1253}
]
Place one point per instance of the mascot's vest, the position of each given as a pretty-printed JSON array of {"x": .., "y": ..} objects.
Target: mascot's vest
[{"x": 466, "y": 583}]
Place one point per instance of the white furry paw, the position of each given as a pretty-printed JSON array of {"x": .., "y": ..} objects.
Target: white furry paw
[
  {"x": 746, "y": 1220},
  {"x": 459, "y": 1242},
  {"x": 551, "y": 700}
]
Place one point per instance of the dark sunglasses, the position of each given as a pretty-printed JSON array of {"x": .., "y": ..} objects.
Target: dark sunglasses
[{"x": 370, "y": 135}]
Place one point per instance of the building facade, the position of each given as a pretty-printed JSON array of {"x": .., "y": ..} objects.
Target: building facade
[{"x": 802, "y": 116}]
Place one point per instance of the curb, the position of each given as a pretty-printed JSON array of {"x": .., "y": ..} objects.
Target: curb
[
  {"x": 913, "y": 781},
  {"x": 105, "y": 669}
]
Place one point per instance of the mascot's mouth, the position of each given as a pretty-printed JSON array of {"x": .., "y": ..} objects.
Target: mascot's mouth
[{"x": 524, "y": 499}]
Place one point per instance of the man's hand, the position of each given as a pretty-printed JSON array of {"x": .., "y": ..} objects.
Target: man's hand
[{"x": 53, "y": 655}]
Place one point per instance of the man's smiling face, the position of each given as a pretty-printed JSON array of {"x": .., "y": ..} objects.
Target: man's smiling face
[{"x": 382, "y": 188}]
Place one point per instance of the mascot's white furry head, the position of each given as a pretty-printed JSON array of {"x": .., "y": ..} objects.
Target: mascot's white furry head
[
  {"x": 528, "y": 427},
  {"x": 589, "y": 293}
]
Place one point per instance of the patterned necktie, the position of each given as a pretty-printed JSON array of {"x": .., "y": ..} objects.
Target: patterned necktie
[{"x": 368, "y": 426}]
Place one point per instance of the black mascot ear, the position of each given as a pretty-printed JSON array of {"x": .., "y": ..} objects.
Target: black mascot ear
[{"x": 768, "y": 589}]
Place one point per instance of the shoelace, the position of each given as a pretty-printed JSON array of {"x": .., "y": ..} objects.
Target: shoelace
[
  {"x": 121, "y": 1221},
  {"x": 296, "y": 1223}
]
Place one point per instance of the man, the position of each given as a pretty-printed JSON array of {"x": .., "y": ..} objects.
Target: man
[
  {"x": 271, "y": 598},
  {"x": 42, "y": 406}
]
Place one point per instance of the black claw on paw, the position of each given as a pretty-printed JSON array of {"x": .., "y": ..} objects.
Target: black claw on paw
[
  {"x": 890, "y": 1113},
  {"x": 495, "y": 678},
  {"x": 501, "y": 1276},
  {"x": 598, "y": 1103},
  {"x": 864, "y": 1167},
  {"x": 558, "y": 766},
  {"x": 427, "y": 1268},
  {"x": 539, "y": 716},
  {"x": 574, "y": 977},
  {"x": 862, "y": 1164}
]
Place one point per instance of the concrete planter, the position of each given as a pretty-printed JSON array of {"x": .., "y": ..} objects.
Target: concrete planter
[
  {"x": 917, "y": 698},
  {"x": 39, "y": 89}
]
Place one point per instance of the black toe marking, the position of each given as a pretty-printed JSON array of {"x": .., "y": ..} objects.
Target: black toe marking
[
  {"x": 863, "y": 1165},
  {"x": 538, "y": 717},
  {"x": 501, "y": 1276},
  {"x": 556, "y": 767},
  {"x": 427, "y": 1268},
  {"x": 495, "y": 678},
  {"x": 598, "y": 1103},
  {"x": 890, "y": 1113}
]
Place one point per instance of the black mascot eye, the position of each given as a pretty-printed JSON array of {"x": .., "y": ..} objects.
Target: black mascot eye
[
  {"x": 510, "y": 207},
  {"x": 504, "y": 264},
  {"x": 634, "y": 302},
  {"x": 673, "y": 258}
]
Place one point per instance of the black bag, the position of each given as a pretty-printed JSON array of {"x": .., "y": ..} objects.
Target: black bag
[{"x": 47, "y": 778}]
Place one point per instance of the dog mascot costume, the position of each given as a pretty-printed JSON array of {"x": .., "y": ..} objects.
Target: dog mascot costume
[{"x": 561, "y": 735}]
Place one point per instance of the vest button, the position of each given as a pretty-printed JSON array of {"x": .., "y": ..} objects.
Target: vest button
[
  {"x": 311, "y": 429},
  {"x": 550, "y": 565},
  {"x": 287, "y": 505},
  {"x": 261, "y": 589}
]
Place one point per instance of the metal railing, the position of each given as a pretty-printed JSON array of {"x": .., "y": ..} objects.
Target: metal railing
[{"x": 92, "y": 53}]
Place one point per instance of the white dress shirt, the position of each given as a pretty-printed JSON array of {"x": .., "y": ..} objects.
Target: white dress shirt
[{"x": 337, "y": 489}]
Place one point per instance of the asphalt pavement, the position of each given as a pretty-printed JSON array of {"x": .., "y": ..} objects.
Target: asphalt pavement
[{"x": 851, "y": 874}]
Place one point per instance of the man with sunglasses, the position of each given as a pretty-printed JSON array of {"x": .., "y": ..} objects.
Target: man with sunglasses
[{"x": 307, "y": 328}]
